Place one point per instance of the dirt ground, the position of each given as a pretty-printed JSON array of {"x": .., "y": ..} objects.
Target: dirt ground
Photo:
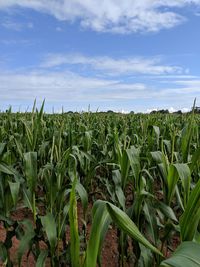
[
  {"x": 109, "y": 250},
  {"x": 110, "y": 255}
]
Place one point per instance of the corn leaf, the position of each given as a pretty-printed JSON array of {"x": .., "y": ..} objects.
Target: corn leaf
[
  {"x": 128, "y": 226},
  {"x": 14, "y": 189},
  {"x": 30, "y": 160},
  {"x": 101, "y": 220},
  {"x": 41, "y": 259},
  {"x": 73, "y": 220},
  {"x": 191, "y": 216},
  {"x": 49, "y": 224},
  {"x": 186, "y": 255}
]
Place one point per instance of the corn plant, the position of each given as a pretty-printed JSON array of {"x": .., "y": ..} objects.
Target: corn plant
[{"x": 77, "y": 175}]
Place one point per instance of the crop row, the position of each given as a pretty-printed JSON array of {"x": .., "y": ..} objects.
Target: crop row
[{"x": 139, "y": 173}]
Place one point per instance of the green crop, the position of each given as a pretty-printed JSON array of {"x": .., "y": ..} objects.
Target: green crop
[{"x": 78, "y": 176}]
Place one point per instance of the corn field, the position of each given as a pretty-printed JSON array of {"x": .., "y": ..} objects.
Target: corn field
[{"x": 78, "y": 176}]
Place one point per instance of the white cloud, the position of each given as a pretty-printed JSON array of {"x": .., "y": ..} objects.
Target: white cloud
[
  {"x": 111, "y": 15},
  {"x": 11, "y": 25},
  {"x": 124, "y": 111},
  {"x": 59, "y": 29},
  {"x": 75, "y": 91},
  {"x": 185, "y": 109},
  {"x": 113, "y": 66},
  {"x": 187, "y": 87},
  {"x": 58, "y": 86},
  {"x": 30, "y": 25},
  {"x": 189, "y": 83},
  {"x": 149, "y": 110},
  {"x": 73, "y": 88},
  {"x": 172, "y": 77},
  {"x": 16, "y": 26},
  {"x": 13, "y": 42},
  {"x": 190, "y": 91},
  {"x": 172, "y": 109}
]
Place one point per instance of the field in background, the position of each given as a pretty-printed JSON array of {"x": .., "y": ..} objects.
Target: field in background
[{"x": 69, "y": 182}]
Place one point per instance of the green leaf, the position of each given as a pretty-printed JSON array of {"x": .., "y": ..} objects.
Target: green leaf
[
  {"x": 30, "y": 160},
  {"x": 175, "y": 172},
  {"x": 2, "y": 147},
  {"x": 48, "y": 222},
  {"x": 19, "y": 147},
  {"x": 186, "y": 255},
  {"x": 151, "y": 218},
  {"x": 116, "y": 176},
  {"x": 166, "y": 210},
  {"x": 26, "y": 241},
  {"x": 134, "y": 161},
  {"x": 191, "y": 216},
  {"x": 3, "y": 254},
  {"x": 127, "y": 225},
  {"x": 83, "y": 195},
  {"x": 146, "y": 257},
  {"x": 14, "y": 189},
  {"x": 73, "y": 220},
  {"x": 195, "y": 159},
  {"x": 101, "y": 220},
  {"x": 40, "y": 114},
  {"x": 186, "y": 136},
  {"x": 28, "y": 199},
  {"x": 184, "y": 174},
  {"x": 157, "y": 156},
  {"x": 8, "y": 170},
  {"x": 125, "y": 166},
  {"x": 29, "y": 135},
  {"x": 172, "y": 179},
  {"x": 41, "y": 259}
]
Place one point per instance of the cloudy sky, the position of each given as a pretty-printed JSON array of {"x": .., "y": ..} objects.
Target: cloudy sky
[{"x": 110, "y": 54}]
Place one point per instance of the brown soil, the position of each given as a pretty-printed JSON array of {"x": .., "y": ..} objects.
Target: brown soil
[
  {"x": 110, "y": 255},
  {"x": 109, "y": 250}
]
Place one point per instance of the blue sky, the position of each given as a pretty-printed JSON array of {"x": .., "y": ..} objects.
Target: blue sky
[{"x": 121, "y": 55}]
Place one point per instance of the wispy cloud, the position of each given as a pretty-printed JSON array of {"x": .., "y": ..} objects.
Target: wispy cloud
[
  {"x": 112, "y": 15},
  {"x": 13, "y": 42},
  {"x": 55, "y": 86},
  {"x": 11, "y": 25},
  {"x": 59, "y": 29},
  {"x": 71, "y": 87},
  {"x": 15, "y": 25},
  {"x": 189, "y": 83},
  {"x": 113, "y": 66}
]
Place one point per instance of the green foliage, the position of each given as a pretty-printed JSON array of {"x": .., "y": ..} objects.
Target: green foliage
[
  {"x": 87, "y": 174},
  {"x": 186, "y": 255}
]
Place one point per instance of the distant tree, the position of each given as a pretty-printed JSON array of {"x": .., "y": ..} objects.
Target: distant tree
[
  {"x": 163, "y": 111},
  {"x": 197, "y": 110},
  {"x": 177, "y": 112},
  {"x": 132, "y": 112}
]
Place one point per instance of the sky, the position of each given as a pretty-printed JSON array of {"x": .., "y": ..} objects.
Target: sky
[{"x": 130, "y": 55}]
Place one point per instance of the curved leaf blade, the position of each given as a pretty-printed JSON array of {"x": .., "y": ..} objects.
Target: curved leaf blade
[
  {"x": 186, "y": 255},
  {"x": 128, "y": 226}
]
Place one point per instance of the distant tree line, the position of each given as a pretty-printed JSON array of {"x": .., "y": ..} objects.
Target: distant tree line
[
  {"x": 166, "y": 111},
  {"x": 161, "y": 111},
  {"x": 197, "y": 110}
]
